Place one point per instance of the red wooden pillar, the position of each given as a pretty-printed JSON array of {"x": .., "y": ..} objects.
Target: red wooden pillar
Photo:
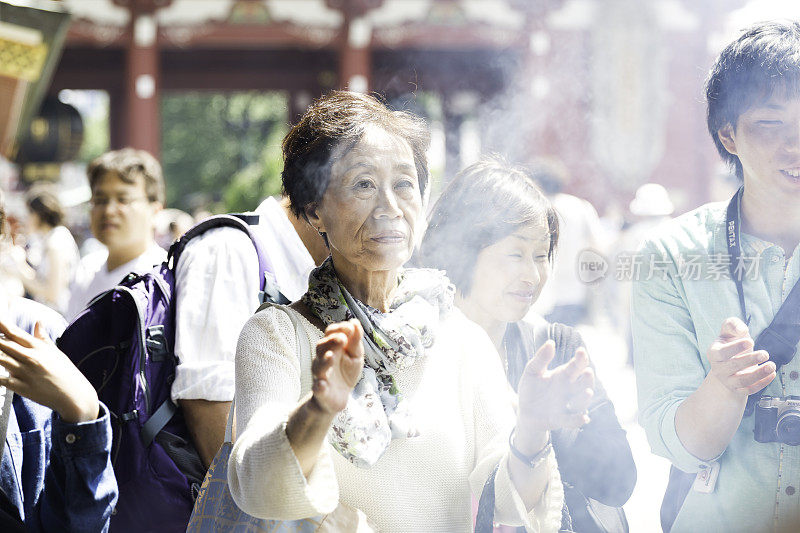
[
  {"x": 355, "y": 69},
  {"x": 453, "y": 120},
  {"x": 355, "y": 56},
  {"x": 536, "y": 81},
  {"x": 142, "y": 81},
  {"x": 117, "y": 118}
]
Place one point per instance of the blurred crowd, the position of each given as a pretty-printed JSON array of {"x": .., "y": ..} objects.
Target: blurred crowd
[
  {"x": 45, "y": 259},
  {"x": 48, "y": 260}
]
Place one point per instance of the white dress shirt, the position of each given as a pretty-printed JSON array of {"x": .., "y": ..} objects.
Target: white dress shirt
[
  {"x": 217, "y": 290},
  {"x": 93, "y": 277}
]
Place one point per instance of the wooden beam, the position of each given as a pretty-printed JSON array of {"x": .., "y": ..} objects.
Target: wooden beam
[
  {"x": 247, "y": 36},
  {"x": 290, "y": 70},
  {"x": 418, "y": 36}
]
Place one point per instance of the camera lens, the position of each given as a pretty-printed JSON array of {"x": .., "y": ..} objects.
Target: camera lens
[{"x": 788, "y": 427}]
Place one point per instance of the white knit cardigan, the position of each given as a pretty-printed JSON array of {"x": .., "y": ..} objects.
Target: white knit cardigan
[{"x": 461, "y": 404}]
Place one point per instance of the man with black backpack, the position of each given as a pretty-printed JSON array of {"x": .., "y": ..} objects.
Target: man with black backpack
[{"x": 714, "y": 354}]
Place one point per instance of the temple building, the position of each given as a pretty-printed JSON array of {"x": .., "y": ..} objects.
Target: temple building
[{"x": 612, "y": 88}]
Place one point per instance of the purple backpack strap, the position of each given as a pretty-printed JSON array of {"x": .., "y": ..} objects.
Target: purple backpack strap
[{"x": 242, "y": 221}]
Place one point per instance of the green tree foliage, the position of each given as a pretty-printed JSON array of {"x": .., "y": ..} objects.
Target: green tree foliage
[
  {"x": 95, "y": 127},
  {"x": 222, "y": 150}
]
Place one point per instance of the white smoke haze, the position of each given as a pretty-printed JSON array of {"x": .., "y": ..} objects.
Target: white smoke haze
[
  {"x": 614, "y": 89},
  {"x": 611, "y": 89}
]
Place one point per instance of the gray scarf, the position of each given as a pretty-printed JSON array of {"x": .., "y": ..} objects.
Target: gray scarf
[{"x": 393, "y": 341}]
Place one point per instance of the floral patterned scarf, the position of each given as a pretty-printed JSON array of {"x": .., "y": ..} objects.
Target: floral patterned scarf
[{"x": 393, "y": 341}]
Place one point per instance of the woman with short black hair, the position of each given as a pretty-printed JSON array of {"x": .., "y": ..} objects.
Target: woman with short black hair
[{"x": 495, "y": 233}]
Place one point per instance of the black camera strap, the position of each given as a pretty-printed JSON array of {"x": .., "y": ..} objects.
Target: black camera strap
[{"x": 780, "y": 338}]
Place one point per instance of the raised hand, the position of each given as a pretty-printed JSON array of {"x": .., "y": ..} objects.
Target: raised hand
[
  {"x": 41, "y": 372},
  {"x": 735, "y": 364},
  {"x": 337, "y": 366},
  {"x": 557, "y": 398}
]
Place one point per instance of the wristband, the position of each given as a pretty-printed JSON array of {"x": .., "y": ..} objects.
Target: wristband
[{"x": 533, "y": 460}]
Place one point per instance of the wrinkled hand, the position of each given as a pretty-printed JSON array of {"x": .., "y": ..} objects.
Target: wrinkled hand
[
  {"x": 735, "y": 364},
  {"x": 338, "y": 364},
  {"x": 557, "y": 398},
  {"x": 41, "y": 372}
]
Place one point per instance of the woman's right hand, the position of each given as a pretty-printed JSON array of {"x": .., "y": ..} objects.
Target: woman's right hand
[
  {"x": 41, "y": 372},
  {"x": 555, "y": 398},
  {"x": 337, "y": 366}
]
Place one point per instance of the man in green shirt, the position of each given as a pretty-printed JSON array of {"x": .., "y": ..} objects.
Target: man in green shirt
[{"x": 693, "y": 350}]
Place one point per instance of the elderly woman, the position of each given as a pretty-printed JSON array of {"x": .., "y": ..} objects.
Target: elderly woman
[
  {"x": 385, "y": 399},
  {"x": 499, "y": 262}
]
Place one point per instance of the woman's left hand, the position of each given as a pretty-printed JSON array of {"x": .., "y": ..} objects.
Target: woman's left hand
[
  {"x": 338, "y": 365},
  {"x": 41, "y": 372},
  {"x": 557, "y": 398}
]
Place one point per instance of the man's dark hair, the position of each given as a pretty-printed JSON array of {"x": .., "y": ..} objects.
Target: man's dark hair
[
  {"x": 486, "y": 202},
  {"x": 43, "y": 201},
  {"x": 339, "y": 119},
  {"x": 130, "y": 164},
  {"x": 764, "y": 59}
]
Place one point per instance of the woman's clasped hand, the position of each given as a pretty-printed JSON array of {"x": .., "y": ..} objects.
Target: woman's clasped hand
[{"x": 555, "y": 398}]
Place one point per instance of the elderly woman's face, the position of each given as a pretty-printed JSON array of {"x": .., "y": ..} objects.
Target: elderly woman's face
[{"x": 371, "y": 207}]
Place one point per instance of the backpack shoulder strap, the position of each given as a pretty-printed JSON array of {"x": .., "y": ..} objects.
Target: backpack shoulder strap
[
  {"x": 243, "y": 222},
  {"x": 216, "y": 221},
  {"x": 157, "y": 421}
]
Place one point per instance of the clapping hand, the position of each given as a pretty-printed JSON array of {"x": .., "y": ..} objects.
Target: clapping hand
[
  {"x": 735, "y": 364},
  {"x": 337, "y": 366},
  {"x": 555, "y": 398},
  {"x": 41, "y": 372}
]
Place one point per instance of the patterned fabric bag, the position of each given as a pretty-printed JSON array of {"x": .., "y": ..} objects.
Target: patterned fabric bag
[{"x": 215, "y": 511}]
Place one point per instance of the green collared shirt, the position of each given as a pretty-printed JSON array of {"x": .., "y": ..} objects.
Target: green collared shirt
[{"x": 682, "y": 293}]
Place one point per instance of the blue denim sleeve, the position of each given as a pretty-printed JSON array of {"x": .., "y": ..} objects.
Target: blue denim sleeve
[{"x": 80, "y": 489}]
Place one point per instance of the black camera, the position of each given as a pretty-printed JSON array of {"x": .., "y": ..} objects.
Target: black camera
[{"x": 778, "y": 420}]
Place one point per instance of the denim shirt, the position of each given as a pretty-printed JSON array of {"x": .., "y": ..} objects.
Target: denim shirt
[
  {"x": 57, "y": 475},
  {"x": 681, "y": 296}
]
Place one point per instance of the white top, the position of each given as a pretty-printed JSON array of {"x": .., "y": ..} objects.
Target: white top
[
  {"x": 577, "y": 228},
  {"x": 460, "y": 401},
  {"x": 216, "y": 286},
  {"x": 58, "y": 241},
  {"x": 93, "y": 277}
]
